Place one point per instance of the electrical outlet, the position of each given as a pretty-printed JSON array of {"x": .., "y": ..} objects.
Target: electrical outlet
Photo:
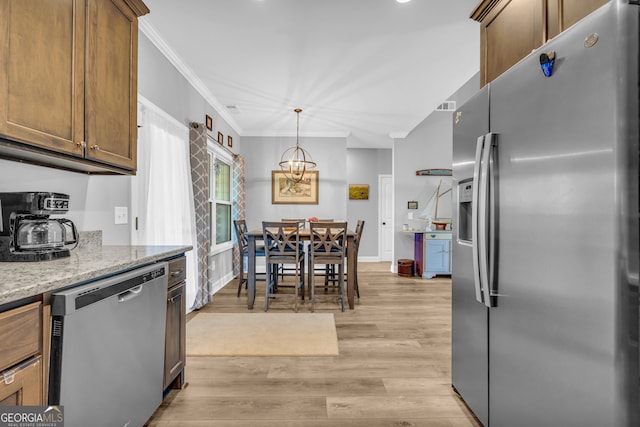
[{"x": 121, "y": 215}]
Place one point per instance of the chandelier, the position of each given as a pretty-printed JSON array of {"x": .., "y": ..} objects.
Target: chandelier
[{"x": 295, "y": 161}]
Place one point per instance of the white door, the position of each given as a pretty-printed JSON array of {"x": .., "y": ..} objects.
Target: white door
[{"x": 385, "y": 217}]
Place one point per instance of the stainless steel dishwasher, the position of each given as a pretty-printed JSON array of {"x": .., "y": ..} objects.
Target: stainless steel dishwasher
[{"x": 107, "y": 348}]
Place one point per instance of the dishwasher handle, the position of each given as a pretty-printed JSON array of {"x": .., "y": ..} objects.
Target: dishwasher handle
[{"x": 130, "y": 294}]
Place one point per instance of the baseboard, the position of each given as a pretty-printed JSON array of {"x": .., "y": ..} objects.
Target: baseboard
[
  {"x": 221, "y": 283},
  {"x": 368, "y": 259}
]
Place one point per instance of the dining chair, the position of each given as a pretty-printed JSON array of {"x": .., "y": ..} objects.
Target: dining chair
[
  {"x": 289, "y": 269},
  {"x": 240, "y": 226},
  {"x": 356, "y": 245},
  {"x": 329, "y": 270},
  {"x": 328, "y": 247},
  {"x": 283, "y": 246}
]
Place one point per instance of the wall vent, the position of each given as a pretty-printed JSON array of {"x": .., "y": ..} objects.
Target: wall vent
[{"x": 447, "y": 106}]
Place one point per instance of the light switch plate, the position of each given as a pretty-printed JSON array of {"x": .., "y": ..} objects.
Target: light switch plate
[
  {"x": 410, "y": 215},
  {"x": 121, "y": 215}
]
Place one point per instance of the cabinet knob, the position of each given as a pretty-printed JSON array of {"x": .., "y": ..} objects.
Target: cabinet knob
[
  {"x": 95, "y": 147},
  {"x": 81, "y": 144}
]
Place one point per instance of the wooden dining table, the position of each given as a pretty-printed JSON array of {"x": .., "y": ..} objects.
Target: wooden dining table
[{"x": 305, "y": 234}]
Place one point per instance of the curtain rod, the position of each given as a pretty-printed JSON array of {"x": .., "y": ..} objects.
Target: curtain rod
[{"x": 197, "y": 125}]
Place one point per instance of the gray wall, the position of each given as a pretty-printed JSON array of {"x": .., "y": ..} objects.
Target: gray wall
[
  {"x": 363, "y": 167},
  {"x": 429, "y": 145},
  {"x": 91, "y": 198},
  {"x": 337, "y": 168},
  {"x": 162, "y": 84},
  {"x": 262, "y": 155}
]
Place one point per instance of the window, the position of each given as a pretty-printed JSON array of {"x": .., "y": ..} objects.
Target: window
[{"x": 219, "y": 198}]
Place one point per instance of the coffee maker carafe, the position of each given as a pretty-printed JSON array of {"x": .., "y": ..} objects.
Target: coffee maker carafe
[{"x": 27, "y": 233}]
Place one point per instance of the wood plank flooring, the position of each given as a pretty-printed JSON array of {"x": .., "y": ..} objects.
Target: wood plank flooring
[{"x": 394, "y": 367}]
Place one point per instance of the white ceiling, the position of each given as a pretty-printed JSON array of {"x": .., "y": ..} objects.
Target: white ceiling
[{"x": 369, "y": 70}]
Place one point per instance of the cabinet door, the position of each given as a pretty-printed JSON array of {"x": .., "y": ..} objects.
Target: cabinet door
[
  {"x": 561, "y": 14},
  {"x": 508, "y": 33},
  {"x": 42, "y": 73},
  {"x": 111, "y": 86},
  {"x": 23, "y": 385},
  {"x": 437, "y": 256},
  {"x": 175, "y": 338}
]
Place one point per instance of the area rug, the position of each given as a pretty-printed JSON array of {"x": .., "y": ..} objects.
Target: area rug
[{"x": 262, "y": 334}]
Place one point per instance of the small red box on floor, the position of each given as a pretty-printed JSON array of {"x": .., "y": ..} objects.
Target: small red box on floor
[{"x": 405, "y": 268}]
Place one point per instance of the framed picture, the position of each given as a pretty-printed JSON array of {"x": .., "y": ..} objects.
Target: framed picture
[
  {"x": 220, "y": 138},
  {"x": 229, "y": 141},
  {"x": 285, "y": 191},
  {"x": 209, "y": 122},
  {"x": 412, "y": 204},
  {"x": 358, "y": 191}
]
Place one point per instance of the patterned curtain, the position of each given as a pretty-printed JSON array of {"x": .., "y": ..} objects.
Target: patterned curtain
[
  {"x": 200, "y": 179},
  {"x": 238, "y": 206}
]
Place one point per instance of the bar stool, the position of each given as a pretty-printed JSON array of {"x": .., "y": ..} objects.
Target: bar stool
[
  {"x": 240, "y": 226},
  {"x": 282, "y": 246},
  {"x": 356, "y": 245},
  {"x": 328, "y": 244}
]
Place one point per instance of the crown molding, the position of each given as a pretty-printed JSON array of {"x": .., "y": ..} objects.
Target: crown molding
[
  {"x": 148, "y": 30},
  {"x": 398, "y": 135},
  {"x": 138, "y": 7}
]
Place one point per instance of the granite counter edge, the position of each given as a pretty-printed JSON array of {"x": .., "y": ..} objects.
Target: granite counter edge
[{"x": 35, "y": 289}]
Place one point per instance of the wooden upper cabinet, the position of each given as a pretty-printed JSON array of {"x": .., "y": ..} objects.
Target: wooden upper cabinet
[
  {"x": 112, "y": 92},
  {"x": 511, "y": 29},
  {"x": 561, "y": 14},
  {"x": 509, "y": 32},
  {"x": 69, "y": 78},
  {"x": 42, "y": 80}
]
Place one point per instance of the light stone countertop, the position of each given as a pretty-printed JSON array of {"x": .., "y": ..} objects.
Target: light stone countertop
[{"x": 27, "y": 279}]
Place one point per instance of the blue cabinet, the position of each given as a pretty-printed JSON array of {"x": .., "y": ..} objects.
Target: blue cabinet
[{"x": 437, "y": 253}]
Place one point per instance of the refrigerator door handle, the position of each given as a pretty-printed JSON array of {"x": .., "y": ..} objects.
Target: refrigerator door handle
[
  {"x": 476, "y": 208},
  {"x": 486, "y": 221}
]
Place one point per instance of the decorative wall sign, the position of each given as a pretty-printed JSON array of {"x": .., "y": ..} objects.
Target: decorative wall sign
[
  {"x": 209, "y": 122},
  {"x": 434, "y": 172},
  {"x": 358, "y": 191},
  {"x": 285, "y": 191},
  {"x": 220, "y": 138}
]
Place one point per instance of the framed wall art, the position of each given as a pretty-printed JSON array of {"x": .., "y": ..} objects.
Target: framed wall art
[
  {"x": 208, "y": 122},
  {"x": 285, "y": 191},
  {"x": 220, "y": 138},
  {"x": 358, "y": 191},
  {"x": 229, "y": 141}
]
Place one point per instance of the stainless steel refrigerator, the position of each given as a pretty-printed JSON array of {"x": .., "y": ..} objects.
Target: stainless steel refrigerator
[{"x": 545, "y": 245}]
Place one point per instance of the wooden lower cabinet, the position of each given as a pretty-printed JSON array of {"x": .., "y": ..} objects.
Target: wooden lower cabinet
[
  {"x": 21, "y": 368},
  {"x": 20, "y": 334},
  {"x": 22, "y": 385},
  {"x": 175, "y": 335}
]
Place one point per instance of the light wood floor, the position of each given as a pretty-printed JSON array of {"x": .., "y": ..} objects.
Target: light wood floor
[{"x": 393, "y": 368}]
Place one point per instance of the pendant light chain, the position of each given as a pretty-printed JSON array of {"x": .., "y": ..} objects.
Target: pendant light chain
[{"x": 295, "y": 161}]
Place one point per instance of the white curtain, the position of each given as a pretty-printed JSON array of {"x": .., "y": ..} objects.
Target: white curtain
[{"x": 162, "y": 194}]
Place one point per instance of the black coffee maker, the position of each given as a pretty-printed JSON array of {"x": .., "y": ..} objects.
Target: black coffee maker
[{"x": 28, "y": 234}]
